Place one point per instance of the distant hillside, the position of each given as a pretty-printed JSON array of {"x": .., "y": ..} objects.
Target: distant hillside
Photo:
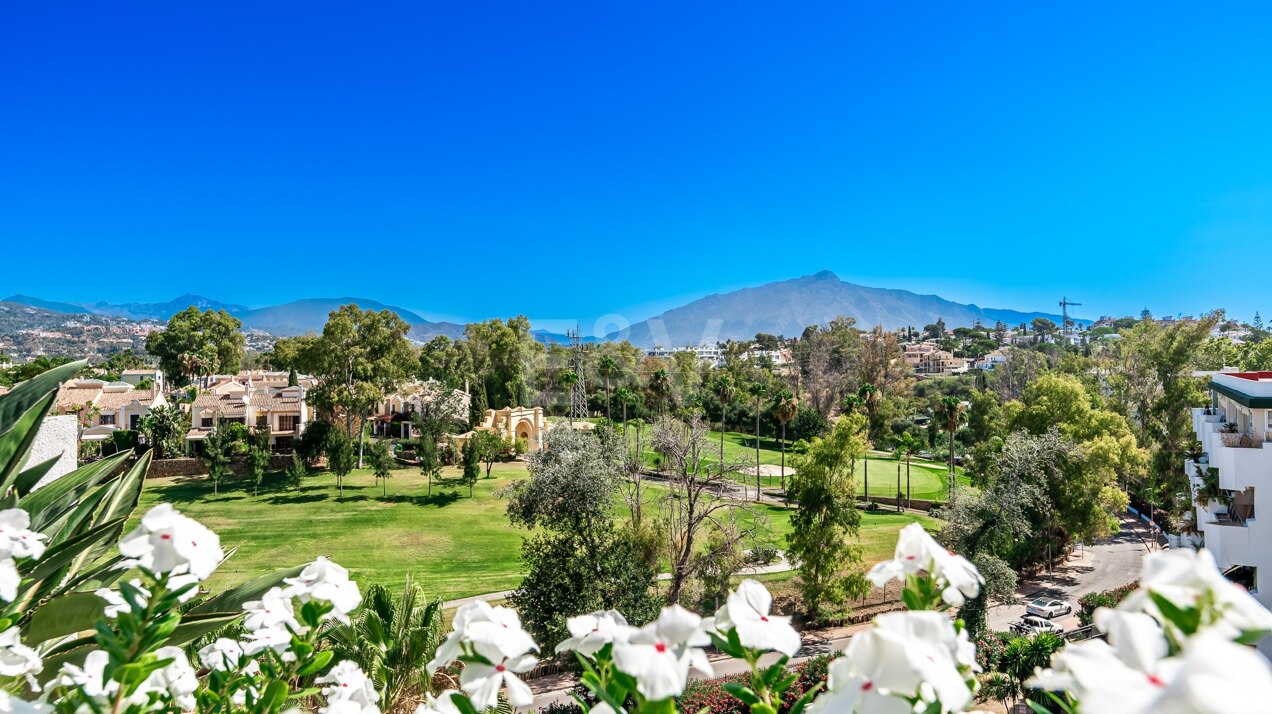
[
  {"x": 787, "y": 307},
  {"x": 161, "y": 310},
  {"x": 65, "y": 308},
  {"x": 309, "y": 315}
]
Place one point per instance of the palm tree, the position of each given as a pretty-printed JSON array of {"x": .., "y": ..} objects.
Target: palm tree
[
  {"x": 1024, "y": 656},
  {"x": 392, "y": 641},
  {"x": 627, "y": 398},
  {"x": 660, "y": 388},
  {"x": 568, "y": 380},
  {"x": 785, "y": 407},
  {"x": 757, "y": 390},
  {"x": 952, "y": 412},
  {"x": 909, "y": 444},
  {"x": 726, "y": 391},
  {"x": 607, "y": 368}
]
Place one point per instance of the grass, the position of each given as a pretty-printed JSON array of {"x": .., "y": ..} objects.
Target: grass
[
  {"x": 928, "y": 479},
  {"x": 453, "y": 545}
]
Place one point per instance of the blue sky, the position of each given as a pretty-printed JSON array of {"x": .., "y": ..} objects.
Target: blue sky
[{"x": 569, "y": 160}]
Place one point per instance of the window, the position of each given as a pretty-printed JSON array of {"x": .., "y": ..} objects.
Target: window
[
  {"x": 134, "y": 420},
  {"x": 206, "y": 422},
  {"x": 287, "y": 422},
  {"x": 107, "y": 420},
  {"x": 262, "y": 421}
]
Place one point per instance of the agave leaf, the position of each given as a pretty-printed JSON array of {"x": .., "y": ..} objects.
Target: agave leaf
[
  {"x": 27, "y": 480},
  {"x": 56, "y": 557},
  {"x": 232, "y": 600},
  {"x": 16, "y": 442},
  {"x": 67, "y": 490},
  {"x": 193, "y": 627},
  {"x": 62, "y": 616}
]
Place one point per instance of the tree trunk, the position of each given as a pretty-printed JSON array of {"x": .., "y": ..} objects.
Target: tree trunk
[
  {"x": 757, "y": 449},
  {"x": 865, "y": 471},
  {"x": 907, "y": 479},
  {"x": 609, "y": 403},
  {"x": 951, "y": 486},
  {"x": 362, "y": 437},
  {"x": 898, "y": 486},
  {"x": 784, "y": 461}
]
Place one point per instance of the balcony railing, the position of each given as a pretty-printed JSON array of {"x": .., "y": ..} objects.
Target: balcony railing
[{"x": 1242, "y": 441}]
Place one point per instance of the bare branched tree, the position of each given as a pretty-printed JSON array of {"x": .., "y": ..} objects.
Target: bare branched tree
[{"x": 700, "y": 499}]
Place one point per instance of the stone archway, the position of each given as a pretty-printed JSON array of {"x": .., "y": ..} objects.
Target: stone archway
[{"x": 525, "y": 430}]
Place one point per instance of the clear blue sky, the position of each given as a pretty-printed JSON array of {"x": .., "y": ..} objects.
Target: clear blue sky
[{"x": 568, "y": 160}]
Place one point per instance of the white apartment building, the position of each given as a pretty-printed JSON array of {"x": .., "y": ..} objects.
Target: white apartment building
[
  {"x": 1236, "y": 436},
  {"x": 279, "y": 409}
]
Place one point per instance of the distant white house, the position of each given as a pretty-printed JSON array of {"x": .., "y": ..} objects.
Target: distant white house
[
  {"x": 991, "y": 360},
  {"x": 104, "y": 407}
]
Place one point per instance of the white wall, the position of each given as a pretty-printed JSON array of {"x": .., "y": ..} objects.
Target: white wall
[{"x": 57, "y": 436}]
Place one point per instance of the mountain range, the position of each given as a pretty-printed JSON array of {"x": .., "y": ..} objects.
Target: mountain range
[{"x": 779, "y": 308}]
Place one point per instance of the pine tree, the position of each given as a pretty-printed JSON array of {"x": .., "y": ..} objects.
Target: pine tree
[{"x": 477, "y": 407}]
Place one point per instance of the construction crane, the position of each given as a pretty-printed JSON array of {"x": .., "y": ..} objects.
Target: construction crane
[{"x": 1065, "y": 304}]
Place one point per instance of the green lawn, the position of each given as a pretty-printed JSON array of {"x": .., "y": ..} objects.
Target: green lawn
[
  {"x": 928, "y": 480},
  {"x": 455, "y": 546}
]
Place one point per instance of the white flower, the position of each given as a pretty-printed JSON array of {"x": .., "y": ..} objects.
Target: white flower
[
  {"x": 912, "y": 654},
  {"x": 918, "y": 551},
  {"x": 269, "y": 638},
  {"x": 18, "y": 660},
  {"x": 589, "y": 633},
  {"x": 482, "y": 682},
  {"x": 325, "y": 581},
  {"x": 10, "y": 704},
  {"x": 849, "y": 692},
  {"x": 348, "y": 683},
  {"x": 91, "y": 677},
  {"x": 660, "y": 654},
  {"x": 1183, "y": 576},
  {"x": 177, "y": 679},
  {"x": 274, "y": 609},
  {"x": 117, "y": 605},
  {"x": 16, "y": 538},
  {"x": 224, "y": 655},
  {"x": 747, "y": 611},
  {"x": 493, "y": 632},
  {"x": 9, "y": 579},
  {"x": 348, "y": 706},
  {"x": 1217, "y": 677},
  {"x": 168, "y": 542},
  {"x": 441, "y": 704}
]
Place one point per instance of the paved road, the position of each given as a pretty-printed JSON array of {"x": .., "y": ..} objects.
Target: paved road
[{"x": 1106, "y": 565}]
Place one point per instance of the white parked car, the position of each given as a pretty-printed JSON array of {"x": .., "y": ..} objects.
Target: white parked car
[
  {"x": 1032, "y": 625},
  {"x": 1046, "y": 607}
]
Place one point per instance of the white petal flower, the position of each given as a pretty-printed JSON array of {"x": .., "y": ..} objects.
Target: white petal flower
[
  {"x": 325, "y": 581},
  {"x": 1218, "y": 677},
  {"x": 918, "y": 551},
  {"x": 16, "y": 538},
  {"x": 177, "y": 679},
  {"x": 16, "y": 659},
  {"x": 348, "y": 706},
  {"x": 9, "y": 579},
  {"x": 493, "y": 632},
  {"x": 441, "y": 704},
  {"x": 10, "y": 704},
  {"x": 168, "y": 542},
  {"x": 347, "y": 682},
  {"x": 91, "y": 677},
  {"x": 911, "y": 654},
  {"x": 747, "y": 610},
  {"x": 1182, "y": 576},
  {"x": 224, "y": 655},
  {"x": 660, "y": 654},
  {"x": 274, "y": 609},
  {"x": 482, "y": 682},
  {"x": 849, "y": 692},
  {"x": 271, "y": 638},
  {"x": 589, "y": 633}
]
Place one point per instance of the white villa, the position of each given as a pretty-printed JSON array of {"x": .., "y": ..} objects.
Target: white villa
[
  {"x": 1236, "y": 436},
  {"x": 281, "y": 409},
  {"x": 393, "y": 415}
]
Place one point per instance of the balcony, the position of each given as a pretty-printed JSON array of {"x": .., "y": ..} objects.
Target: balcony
[{"x": 1242, "y": 465}]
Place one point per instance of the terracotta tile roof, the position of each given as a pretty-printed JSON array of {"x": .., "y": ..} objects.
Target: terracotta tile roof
[
  {"x": 145, "y": 372},
  {"x": 75, "y": 394},
  {"x": 275, "y": 403},
  {"x": 110, "y": 401}
]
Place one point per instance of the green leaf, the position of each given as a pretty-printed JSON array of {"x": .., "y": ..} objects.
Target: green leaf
[
  {"x": 27, "y": 393},
  {"x": 61, "y": 616},
  {"x": 742, "y": 693},
  {"x": 463, "y": 704},
  {"x": 319, "y": 661},
  {"x": 1186, "y": 619},
  {"x": 27, "y": 480},
  {"x": 805, "y": 699},
  {"x": 16, "y": 442},
  {"x": 48, "y": 503},
  {"x": 274, "y": 696},
  {"x": 195, "y": 626},
  {"x": 1251, "y": 637}
]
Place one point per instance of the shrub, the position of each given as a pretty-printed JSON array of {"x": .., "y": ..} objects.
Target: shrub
[{"x": 1087, "y": 604}]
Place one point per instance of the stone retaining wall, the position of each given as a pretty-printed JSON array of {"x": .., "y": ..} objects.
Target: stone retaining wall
[{"x": 189, "y": 466}]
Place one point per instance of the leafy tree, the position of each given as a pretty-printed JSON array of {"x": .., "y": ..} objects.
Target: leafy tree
[
  {"x": 392, "y": 640},
  {"x": 477, "y": 408},
  {"x": 314, "y": 440},
  {"x": 471, "y": 453},
  {"x": 216, "y": 456},
  {"x": 568, "y": 380},
  {"x": 165, "y": 429},
  {"x": 827, "y": 518},
  {"x": 209, "y": 340},
  {"x": 627, "y": 398},
  {"x": 660, "y": 389},
  {"x": 361, "y": 356},
  {"x": 503, "y": 353},
  {"x": 257, "y": 458},
  {"x": 809, "y": 423},
  {"x": 607, "y": 367},
  {"x": 429, "y": 455},
  {"x": 382, "y": 464},
  {"x": 1024, "y": 656},
  {"x": 340, "y": 457},
  {"x": 296, "y": 471},
  {"x": 488, "y": 448},
  {"x": 950, "y": 413},
  {"x": 578, "y": 559},
  {"x": 785, "y": 407},
  {"x": 725, "y": 391}
]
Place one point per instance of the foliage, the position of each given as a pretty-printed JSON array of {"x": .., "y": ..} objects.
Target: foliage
[
  {"x": 165, "y": 429},
  {"x": 198, "y": 343},
  {"x": 340, "y": 457},
  {"x": 1090, "y": 602},
  {"x": 392, "y": 639},
  {"x": 489, "y": 448},
  {"x": 827, "y": 519},
  {"x": 469, "y": 456},
  {"x": 295, "y": 473},
  {"x": 314, "y": 440},
  {"x": 382, "y": 464},
  {"x": 216, "y": 456}
]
